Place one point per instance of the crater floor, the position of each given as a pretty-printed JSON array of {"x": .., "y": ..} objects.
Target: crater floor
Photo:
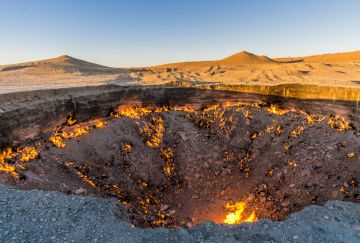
[{"x": 51, "y": 217}]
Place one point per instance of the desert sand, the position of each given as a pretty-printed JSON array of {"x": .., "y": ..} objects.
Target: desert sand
[{"x": 341, "y": 69}]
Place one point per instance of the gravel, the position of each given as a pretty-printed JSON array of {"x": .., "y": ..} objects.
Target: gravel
[{"x": 38, "y": 216}]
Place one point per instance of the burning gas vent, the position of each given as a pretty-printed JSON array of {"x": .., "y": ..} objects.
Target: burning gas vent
[{"x": 183, "y": 165}]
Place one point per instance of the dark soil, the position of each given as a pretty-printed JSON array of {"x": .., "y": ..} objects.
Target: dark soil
[{"x": 180, "y": 168}]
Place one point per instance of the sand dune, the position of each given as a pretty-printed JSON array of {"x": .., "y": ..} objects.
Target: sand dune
[
  {"x": 240, "y": 58},
  {"x": 344, "y": 57},
  {"x": 59, "y": 72},
  {"x": 62, "y": 64},
  {"x": 341, "y": 69}
]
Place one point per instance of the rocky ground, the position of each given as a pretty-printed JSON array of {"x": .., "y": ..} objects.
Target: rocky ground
[
  {"x": 38, "y": 216},
  {"x": 182, "y": 166}
]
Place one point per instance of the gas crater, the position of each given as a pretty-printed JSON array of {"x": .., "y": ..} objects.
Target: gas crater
[{"x": 231, "y": 160}]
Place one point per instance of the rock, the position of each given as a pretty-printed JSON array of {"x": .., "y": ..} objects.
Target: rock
[
  {"x": 171, "y": 213},
  {"x": 219, "y": 163},
  {"x": 164, "y": 207},
  {"x": 292, "y": 185},
  {"x": 187, "y": 178},
  {"x": 197, "y": 176},
  {"x": 285, "y": 203},
  {"x": 189, "y": 224},
  {"x": 302, "y": 226},
  {"x": 334, "y": 194},
  {"x": 80, "y": 191},
  {"x": 183, "y": 136},
  {"x": 305, "y": 172}
]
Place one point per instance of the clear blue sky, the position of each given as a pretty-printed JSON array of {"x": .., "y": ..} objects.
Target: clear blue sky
[{"x": 146, "y": 32}]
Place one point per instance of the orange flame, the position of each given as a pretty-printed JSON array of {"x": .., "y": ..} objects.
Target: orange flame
[
  {"x": 22, "y": 155},
  {"x": 275, "y": 110},
  {"x": 236, "y": 214},
  {"x": 339, "y": 123}
]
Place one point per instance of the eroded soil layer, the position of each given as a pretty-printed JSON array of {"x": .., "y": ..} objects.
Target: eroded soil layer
[{"x": 180, "y": 166}]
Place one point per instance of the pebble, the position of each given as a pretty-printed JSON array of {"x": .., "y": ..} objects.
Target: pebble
[
  {"x": 219, "y": 163},
  {"x": 187, "y": 178},
  {"x": 79, "y": 191},
  {"x": 305, "y": 172},
  {"x": 171, "y": 213},
  {"x": 285, "y": 203},
  {"x": 334, "y": 194},
  {"x": 292, "y": 185},
  {"x": 164, "y": 207}
]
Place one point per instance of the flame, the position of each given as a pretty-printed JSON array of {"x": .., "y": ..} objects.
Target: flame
[
  {"x": 5, "y": 167},
  {"x": 293, "y": 163},
  {"x": 86, "y": 179},
  {"x": 57, "y": 140},
  {"x": 75, "y": 133},
  {"x": 22, "y": 155},
  {"x": 168, "y": 156},
  {"x": 131, "y": 112},
  {"x": 184, "y": 109},
  {"x": 100, "y": 123},
  {"x": 275, "y": 110},
  {"x": 236, "y": 214},
  {"x": 154, "y": 131},
  {"x": 27, "y": 154},
  {"x": 126, "y": 147},
  {"x": 247, "y": 114},
  {"x": 278, "y": 130},
  {"x": 71, "y": 121},
  {"x": 78, "y": 167},
  {"x": 351, "y": 154},
  {"x": 311, "y": 119},
  {"x": 297, "y": 131},
  {"x": 339, "y": 123}
]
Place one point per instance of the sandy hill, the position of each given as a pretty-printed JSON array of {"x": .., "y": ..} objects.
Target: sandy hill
[
  {"x": 344, "y": 57},
  {"x": 245, "y": 57},
  {"x": 240, "y": 58},
  {"x": 340, "y": 69},
  {"x": 58, "y": 65}
]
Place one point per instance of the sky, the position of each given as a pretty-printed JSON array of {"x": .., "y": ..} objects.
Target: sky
[{"x": 125, "y": 33}]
